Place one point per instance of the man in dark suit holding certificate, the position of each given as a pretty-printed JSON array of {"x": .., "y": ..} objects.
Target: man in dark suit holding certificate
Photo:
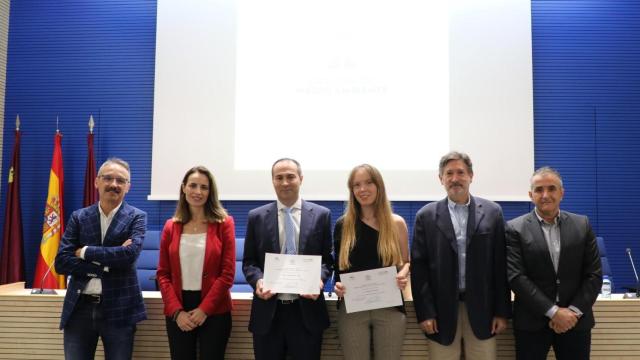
[
  {"x": 99, "y": 250},
  {"x": 555, "y": 272},
  {"x": 287, "y": 324}
]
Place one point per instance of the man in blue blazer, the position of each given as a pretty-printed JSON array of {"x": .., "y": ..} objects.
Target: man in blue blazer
[
  {"x": 555, "y": 272},
  {"x": 458, "y": 268},
  {"x": 287, "y": 324},
  {"x": 98, "y": 251}
]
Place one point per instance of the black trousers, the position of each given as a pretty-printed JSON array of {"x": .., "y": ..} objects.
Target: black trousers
[
  {"x": 287, "y": 338},
  {"x": 210, "y": 339},
  {"x": 535, "y": 345}
]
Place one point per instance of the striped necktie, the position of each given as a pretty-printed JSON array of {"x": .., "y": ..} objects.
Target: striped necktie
[{"x": 289, "y": 233}]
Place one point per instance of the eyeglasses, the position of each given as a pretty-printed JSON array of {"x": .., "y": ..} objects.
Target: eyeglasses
[{"x": 109, "y": 179}]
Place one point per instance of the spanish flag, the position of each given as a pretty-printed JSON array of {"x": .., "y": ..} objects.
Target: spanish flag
[{"x": 45, "y": 274}]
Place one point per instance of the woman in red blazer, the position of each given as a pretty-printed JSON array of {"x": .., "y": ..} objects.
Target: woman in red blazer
[{"x": 196, "y": 270}]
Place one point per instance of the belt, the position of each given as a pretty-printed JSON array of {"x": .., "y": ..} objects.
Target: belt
[
  {"x": 461, "y": 296},
  {"x": 287, "y": 302},
  {"x": 91, "y": 298}
]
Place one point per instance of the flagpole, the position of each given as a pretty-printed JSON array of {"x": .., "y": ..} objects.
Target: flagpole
[
  {"x": 90, "y": 196},
  {"x": 12, "y": 258}
]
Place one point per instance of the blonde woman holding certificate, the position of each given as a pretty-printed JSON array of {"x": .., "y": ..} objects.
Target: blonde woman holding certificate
[{"x": 369, "y": 236}]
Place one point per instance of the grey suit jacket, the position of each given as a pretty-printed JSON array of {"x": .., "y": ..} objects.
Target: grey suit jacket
[{"x": 533, "y": 278}]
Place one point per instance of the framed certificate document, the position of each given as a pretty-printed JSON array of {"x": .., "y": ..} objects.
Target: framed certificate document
[
  {"x": 292, "y": 274},
  {"x": 371, "y": 289}
]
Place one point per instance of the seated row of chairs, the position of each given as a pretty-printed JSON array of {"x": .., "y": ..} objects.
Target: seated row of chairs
[{"x": 148, "y": 263}]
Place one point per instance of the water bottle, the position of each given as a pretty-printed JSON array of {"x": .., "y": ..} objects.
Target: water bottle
[{"x": 606, "y": 287}]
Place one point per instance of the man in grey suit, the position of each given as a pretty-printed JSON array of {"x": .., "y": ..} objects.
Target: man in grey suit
[
  {"x": 458, "y": 268},
  {"x": 287, "y": 324},
  {"x": 555, "y": 272}
]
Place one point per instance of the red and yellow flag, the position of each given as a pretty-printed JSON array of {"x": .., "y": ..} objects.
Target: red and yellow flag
[{"x": 45, "y": 275}]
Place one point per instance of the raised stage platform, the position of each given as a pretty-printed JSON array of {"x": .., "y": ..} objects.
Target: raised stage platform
[{"x": 29, "y": 329}]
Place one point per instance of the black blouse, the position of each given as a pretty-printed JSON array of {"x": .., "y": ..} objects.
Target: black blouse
[{"x": 363, "y": 256}]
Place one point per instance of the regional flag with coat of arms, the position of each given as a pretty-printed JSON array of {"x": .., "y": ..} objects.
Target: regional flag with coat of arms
[
  {"x": 12, "y": 259},
  {"x": 45, "y": 274}
]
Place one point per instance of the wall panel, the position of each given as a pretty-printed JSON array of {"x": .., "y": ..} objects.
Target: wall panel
[{"x": 72, "y": 58}]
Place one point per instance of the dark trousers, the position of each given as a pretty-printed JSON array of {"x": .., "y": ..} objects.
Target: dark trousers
[
  {"x": 84, "y": 328},
  {"x": 288, "y": 337},
  {"x": 534, "y": 345},
  {"x": 210, "y": 339}
]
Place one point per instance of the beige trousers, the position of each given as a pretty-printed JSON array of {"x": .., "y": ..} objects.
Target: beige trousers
[
  {"x": 387, "y": 326},
  {"x": 474, "y": 348}
]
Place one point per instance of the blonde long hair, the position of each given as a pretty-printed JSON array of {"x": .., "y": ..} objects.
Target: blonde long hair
[{"x": 388, "y": 239}]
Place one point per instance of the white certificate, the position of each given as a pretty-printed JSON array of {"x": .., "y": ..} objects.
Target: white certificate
[
  {"x": 292, "y": 274},
  {"x": 371, "y": 289}
]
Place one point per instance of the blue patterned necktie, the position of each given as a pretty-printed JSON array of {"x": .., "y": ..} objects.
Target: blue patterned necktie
[{"x": 289, "y": 233}]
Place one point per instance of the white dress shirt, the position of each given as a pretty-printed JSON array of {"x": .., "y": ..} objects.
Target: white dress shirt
[
  {"x": 94, "y": 286},
  {"x": 296, "y": 212}
]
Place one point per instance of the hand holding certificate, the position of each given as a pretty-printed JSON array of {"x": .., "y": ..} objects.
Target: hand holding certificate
[
  {"x": 371, "y": 289},
  {"x": 292, "y": 274}
]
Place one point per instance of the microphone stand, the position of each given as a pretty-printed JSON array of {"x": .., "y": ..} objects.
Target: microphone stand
[
  {"x": 42, "y": 290},
  {"x": 635, "y": 273}
]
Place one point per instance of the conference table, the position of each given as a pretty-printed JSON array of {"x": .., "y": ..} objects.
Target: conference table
[{"x": 29, "y": 329}]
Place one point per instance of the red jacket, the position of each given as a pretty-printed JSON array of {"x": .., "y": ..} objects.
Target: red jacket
[{"x": 218, "y": 269}]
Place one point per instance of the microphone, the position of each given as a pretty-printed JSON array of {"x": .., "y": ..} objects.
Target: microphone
[
  {"x": 42, "y": 290},
  {"x": 635, "y": 273}
]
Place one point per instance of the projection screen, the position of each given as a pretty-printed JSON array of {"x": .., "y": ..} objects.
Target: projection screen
[{"x": 337, "y": 83}]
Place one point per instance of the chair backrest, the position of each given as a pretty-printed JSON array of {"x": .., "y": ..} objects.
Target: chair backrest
[
  {"x": 606, "y": 269},
  {"x": 239, "y": 282},
  {"x": 148, "y": 261}
]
